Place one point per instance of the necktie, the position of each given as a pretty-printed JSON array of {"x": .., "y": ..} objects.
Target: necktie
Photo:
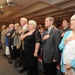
[{"x": 46, "y": 31}]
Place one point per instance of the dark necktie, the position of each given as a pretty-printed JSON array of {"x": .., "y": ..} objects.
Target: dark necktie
[{"x": 46, "y": 31}]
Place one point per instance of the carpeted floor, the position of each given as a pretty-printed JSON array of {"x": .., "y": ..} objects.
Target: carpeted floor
[{"x": 8, "y": 69}]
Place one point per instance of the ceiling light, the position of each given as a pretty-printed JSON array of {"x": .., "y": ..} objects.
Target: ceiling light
[{"x": 9, "y": 1}]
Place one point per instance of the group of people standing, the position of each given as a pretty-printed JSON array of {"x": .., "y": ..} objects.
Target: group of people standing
[{"x": 25, "y": 42}]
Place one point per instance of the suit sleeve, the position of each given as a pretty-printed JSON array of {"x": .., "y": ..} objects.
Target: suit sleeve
[
  {"x": 11, "y": 33},
  {"x": 38, "y": 37},
  {"x": 57, "y": 39}
]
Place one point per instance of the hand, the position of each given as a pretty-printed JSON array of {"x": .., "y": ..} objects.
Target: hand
[
  {"x": 35, "y": 54},
  {"x": 13, "y": 35},
  {"x": 29, "y": 33},
  {"x": 22, "y": 30},
  {"x": 62, "y": 34},
  {"x": 68, "y": 39},
  {"x": 54, "y": 60},
  {"x": 46, "y": 37},
  {"x": 68, "y": 66},
  {"x": 8, "y": 34},
  {"x": 22, "y": 37},
  {"x": 17, "y": 46}
]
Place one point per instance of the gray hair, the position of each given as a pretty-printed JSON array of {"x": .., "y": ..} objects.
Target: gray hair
[
  {"x": 23, "y": 18},
  {"x": 33, "y": 22},
  {"x": 50, "y": 18}
]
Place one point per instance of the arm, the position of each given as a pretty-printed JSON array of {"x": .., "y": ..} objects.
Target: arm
[
  {"x": 36, "y": 49},
  {"x": 73, "y": 63},
  {"x": 61, "y": 45},
  {"x": 2, "y": 33},
  {"x": 37, "y": 45},
  {"x": 12, "y": 32},
  {"x": 57, "y": 39},
  {"x": 18, "y": 31},
  {"x": 13, "y": 35},
  {"x": 24, "y": 35}
]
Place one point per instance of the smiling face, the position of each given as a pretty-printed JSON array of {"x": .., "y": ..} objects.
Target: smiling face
[{"x": 32, "y": 25}]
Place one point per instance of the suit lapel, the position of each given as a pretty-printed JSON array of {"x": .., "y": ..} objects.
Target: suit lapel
[
  {"x": 51, "y": 31},
  {"x": 26, "y": 29}
]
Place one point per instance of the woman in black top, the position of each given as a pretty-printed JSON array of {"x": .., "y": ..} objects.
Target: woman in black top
[{"x": 31, "y": 46}]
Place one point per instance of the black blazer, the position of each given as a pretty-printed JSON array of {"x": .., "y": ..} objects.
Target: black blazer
[
  {"x": 10, "y": 39},
  {"x": 50, "y": 46}
]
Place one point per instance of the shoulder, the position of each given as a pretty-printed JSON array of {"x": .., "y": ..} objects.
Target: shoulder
[
  {"x": 68, "y": 32},
  {"x": 36, "y": 32},
  {"x": 19, "y": 27},
  {"x": 56, "y": 30}
]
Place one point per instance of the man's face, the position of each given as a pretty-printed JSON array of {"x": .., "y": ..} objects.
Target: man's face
[
  {"x": 22, "y": 22},
  {"x": 64, "y": 24},
  {"x": 10, "y": 26},
  {"x": 47, "y": 22}
]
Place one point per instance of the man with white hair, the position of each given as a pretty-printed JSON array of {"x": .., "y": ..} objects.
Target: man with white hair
[{"x": 23, "y": 28}]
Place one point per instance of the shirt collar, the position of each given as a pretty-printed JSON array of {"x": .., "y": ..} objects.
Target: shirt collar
[
  {"x": 11, "y": 29},
  {"x": 65, "y": 27},
  {"x": 50, "y": 28},
  {"x": 24, "y": 27}
]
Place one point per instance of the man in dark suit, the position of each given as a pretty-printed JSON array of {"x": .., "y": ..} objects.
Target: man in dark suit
[
  {"x": 65, "y": 27},
  {"x": 10, "y": 41},
  {"x": 51, "y": 52}
]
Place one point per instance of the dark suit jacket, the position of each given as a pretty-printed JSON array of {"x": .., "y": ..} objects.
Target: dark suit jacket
[
  {"x": 10, "y": 39},
  {"x": 50, "y": 46}
]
